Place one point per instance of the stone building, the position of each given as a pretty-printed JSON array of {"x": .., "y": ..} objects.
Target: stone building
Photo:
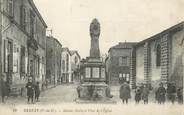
[
  {"x": 75, "y": 65},
  {"x": 66, "y": 66},
  {"x": 53, "y": 60},
  {"x": 118, "y": 63},
  {"x": 160, "y": 58},
  {"x": 23, "y": 43}
]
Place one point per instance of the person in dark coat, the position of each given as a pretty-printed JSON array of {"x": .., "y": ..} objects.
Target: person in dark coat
[
  {"x": 125, "y": 92},
  {"x": 145, "y": 94},
  {"x": 108, "y": 92},
  {"x": 30, "y": 90},
  {"x": 161, "y": 91},
  {"x": 3, "y": 89},
  {"x": 37, "y": 91},
  {"x": 180, "y": 95},
  {"x": 171, "y": 92},
  {"x": 137, "y": 95},
  {"x": 156, "y": 95},
  {"x": 79, "y": 91}
]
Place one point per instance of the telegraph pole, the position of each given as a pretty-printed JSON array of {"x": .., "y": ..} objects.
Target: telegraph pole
[{"x": 1, "y": 25}]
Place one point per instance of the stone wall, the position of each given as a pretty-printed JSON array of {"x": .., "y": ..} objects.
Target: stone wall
[
  {"x": 177, "y": 61},
  {"x": 139, "y": 64},
  {"x": 13, "y": 32},
  {"x": 171, "y": 60}
]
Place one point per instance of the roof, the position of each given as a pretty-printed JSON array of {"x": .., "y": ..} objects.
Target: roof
[
  {"x": 51, "y": 37},
  {"x": 74, "y": 52},
  {"x": 37, "y": 12},
  {"x": 174, "y": 28},
  {"x": 66, "y": 49},
  {"x": 124, "y": 45}
]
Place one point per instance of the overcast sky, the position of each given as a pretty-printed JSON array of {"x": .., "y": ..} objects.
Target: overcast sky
[{"x": 130, "y": 20}]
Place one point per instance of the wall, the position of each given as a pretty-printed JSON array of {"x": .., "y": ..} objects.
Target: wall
[
  {"x": 140, "y": 64},
  {"x": 13, "y": 31},
  {"x": 69, "y": 72},
  {"x": 177, "y": 62},
  {"x": 113, "y": 68}
]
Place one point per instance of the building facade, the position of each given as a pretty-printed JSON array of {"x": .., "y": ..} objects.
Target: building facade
[
  {"x": 75, "y": 65},
  {"x": 53, "y": 60},
  {"x": 23, "y": 43},
  {"x": 160, "y": 58},
  {"x": 118, "y": 63},
  {"x": 66, "y": 66}
]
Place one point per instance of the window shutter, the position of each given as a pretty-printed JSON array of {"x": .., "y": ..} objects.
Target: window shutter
[
  {"x": 22, "y": 61},
  {"x": 11, "y": 8},
  {"x": 24, "y": 10},
  {"x": 10, "y": 56},
  {"x": 5, "y": 56},
  {"x": 15, "y": 58},
  {"x": 21, "y": 15}
]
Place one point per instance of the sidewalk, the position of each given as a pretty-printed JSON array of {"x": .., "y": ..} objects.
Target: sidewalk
[{"x": 12, "y": 100}]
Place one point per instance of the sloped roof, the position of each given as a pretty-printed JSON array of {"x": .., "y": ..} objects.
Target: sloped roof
[
  {"x": 124, "y": 45},
  {"x": 173, "y": 29},
  {"x": 72, "y": 52},
  {"x": 66, "y": 49}
]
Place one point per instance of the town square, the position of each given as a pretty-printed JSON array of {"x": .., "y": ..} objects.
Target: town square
[{"x": 47, "y": 57}]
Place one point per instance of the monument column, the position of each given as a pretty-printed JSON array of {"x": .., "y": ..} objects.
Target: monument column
[
  {"x": 94, "y": 81},
  {"x": 95, "y": 33}
]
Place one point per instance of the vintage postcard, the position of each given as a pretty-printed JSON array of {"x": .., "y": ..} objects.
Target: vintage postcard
[{"x": 96, "y": 57}]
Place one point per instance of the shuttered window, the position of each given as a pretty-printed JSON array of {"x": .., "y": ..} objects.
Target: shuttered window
[
  {"x": 32, "y": 23},
  {"x": 158, "y": 56},
  {"x": 10, "y": 8},
  {"x": 8, "y": 56},
  {"x": 5, "y": 56},
  {"x": 23, "y": 60},
  {"x": 16, "y": 59},
  {"x": 23, "y": 16},
  {"x": 123, "y": 61}
]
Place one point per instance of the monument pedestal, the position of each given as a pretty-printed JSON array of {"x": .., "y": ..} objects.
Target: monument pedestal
[
  {"x": 93, "y": 85},
  {"x": 93, "y": 91}
]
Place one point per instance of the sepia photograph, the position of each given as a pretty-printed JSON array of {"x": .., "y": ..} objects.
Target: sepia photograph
[{"x": 96, "y": 57}]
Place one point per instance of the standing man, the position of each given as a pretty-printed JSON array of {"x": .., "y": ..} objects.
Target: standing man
[
  {"x": 3, "y": 89},
  {"x": 145, "y": 94},
  {"x": 37, "y": 91},
  {"x": 161, "y": 91},
  {"x": 180, "y": 95},
  {"x": 137, "y": 95},
  {"x": 125, "y": 92},
  {"x": 79, "y": 91},
  {"x": 30, "y": 90},
  {"x": 171, "y": 92}
]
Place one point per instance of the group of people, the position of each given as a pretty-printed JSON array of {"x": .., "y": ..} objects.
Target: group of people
[
  {"x": 172, "y": 94},
  {"x": 33, "y": 91},
  {"x": 142, "y": 93}
]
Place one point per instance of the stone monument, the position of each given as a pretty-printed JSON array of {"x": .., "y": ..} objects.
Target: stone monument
[{"x": 93, "y": 78}]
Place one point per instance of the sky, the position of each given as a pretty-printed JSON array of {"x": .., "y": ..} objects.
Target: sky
[{"x": 120, "y": 20}]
